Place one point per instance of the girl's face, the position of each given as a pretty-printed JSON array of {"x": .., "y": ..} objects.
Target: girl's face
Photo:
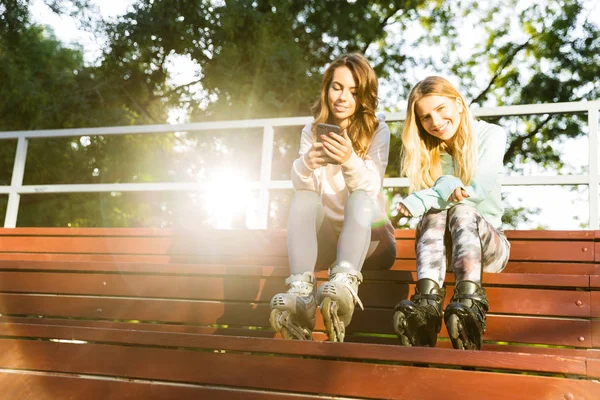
[
  {"x": 341, "y": 96},
  {"x": 439, "y": 115}
]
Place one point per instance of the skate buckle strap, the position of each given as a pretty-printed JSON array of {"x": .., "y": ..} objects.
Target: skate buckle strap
[
  {"x": 347, "y": 279},
  {"x": 307, "y": 277},
  {"x": 346, "y": 270},
  {"x": 426, "y": 296},
  {"x": 301, "y": 284}
]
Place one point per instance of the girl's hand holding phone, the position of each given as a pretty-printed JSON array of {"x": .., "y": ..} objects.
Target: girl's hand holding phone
[
  {"x": 337, "y": 147},
  {"x": 315, "y": 157}
]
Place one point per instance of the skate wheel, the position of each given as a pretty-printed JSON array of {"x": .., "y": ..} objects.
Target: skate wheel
[{"x": 336, "y": 330}]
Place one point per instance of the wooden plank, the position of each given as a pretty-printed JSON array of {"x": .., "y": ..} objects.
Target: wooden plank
[
  {"x": 505, "y": 278},
  {"x": 43, "y": 231},
  {"x": 142, "y": 326},
  {"x": 146, "y": 267},
  {"x": 503, "y": 300},
  {"x": 60, "y": 240},
  {"x": 399, "y": 233},
  {"x": 595, "y": 282},
  {"x": 252, "y": 244},
  {"x": 541, "y": 250},
  {"x": 534, "y": 267},
  {"x": 515, "y": 329},
  {"x": 565, "y": 332},
  {"x": 595, "y": 301},
  {"x": 365, "y": 380},
  {"x": 267, "y": 333},
  {"x": 552, "y": 250},
  {"x": 522, "y": 234},
  {"x": 537, "y": 234},
  {"x": 597, "y": 252},
  {"x": 74, "y": 257},
  {"x": 32, "y": 385},
  {"x": 475, "y": 359},
  {"x": 541, "y": 267},
  {"x": 596, "y": 334},
  {"x": 593, "y": 367},
  {"x": 151, "y": 259}
]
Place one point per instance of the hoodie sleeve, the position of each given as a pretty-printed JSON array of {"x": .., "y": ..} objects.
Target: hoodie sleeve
[
  {"x": 491, "y": 146},
  {"x": 368, "y": 174},
  {"x": 304, "y": 178}
]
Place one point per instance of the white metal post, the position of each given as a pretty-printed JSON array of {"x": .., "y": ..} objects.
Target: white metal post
[
  {"x": 594, "y": 166},
  {"x": 265, "y": 175},
  {"x": 14, "y": 197}
]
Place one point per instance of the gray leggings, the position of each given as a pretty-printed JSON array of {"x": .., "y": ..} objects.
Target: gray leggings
[
  {"x": 367, "y": 237},
  {"x": 463, "y": 237}
]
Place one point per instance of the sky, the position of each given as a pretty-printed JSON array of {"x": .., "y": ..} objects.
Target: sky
[{"x": 183, "y": 70}]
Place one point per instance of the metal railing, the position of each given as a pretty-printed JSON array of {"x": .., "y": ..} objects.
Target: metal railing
[{"x": 265, "y": 183}]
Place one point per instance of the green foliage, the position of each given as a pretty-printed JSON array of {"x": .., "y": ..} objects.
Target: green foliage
[{"x": 258, "y": 59}]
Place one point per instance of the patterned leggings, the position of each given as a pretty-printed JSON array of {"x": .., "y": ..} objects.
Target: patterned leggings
[{"x": 462, "y": 237}]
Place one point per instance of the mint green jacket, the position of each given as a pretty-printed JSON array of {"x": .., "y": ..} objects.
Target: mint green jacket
[{"x": 485, "y": 187}]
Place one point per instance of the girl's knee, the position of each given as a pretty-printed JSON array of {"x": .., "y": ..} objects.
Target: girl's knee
[
  {"x": 461, "y": 216},
  {"x": 432, "y": 221},
  {"x": 359, "y": 206},
  {"x": 304, "y": 202}
]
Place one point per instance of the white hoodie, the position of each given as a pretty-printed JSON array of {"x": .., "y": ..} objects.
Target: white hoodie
[{"x": 336, "y": 182}]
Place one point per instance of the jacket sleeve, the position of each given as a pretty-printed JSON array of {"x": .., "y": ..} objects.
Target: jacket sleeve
[
  {"x": 489, "y": 169},
  {"x": 368, "y": 174},
  {"x": 304, "y": 178}
]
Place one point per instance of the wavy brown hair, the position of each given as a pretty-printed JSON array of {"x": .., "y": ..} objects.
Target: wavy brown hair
[
  {"x": 421, "y": 161},
  {"x": 363, "y": 122}
]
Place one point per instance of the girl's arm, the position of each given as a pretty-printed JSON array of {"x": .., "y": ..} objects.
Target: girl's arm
[
  {"x": 368, "y": 174},
  {"x": 491, "y": 144},
  {"x": 303, "y": 177}
]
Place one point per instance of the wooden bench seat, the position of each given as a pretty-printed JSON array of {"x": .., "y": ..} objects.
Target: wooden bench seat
[{"x": 158, "y": 313}]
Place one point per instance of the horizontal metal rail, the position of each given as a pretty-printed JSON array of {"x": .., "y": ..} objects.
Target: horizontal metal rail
[{"x": 267, "y": 128}]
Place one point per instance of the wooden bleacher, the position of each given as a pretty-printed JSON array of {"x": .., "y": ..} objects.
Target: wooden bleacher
[{"x": 174, "y": 314}]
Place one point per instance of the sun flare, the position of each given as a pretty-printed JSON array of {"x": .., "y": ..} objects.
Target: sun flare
[{"x": 229, "y": 200}]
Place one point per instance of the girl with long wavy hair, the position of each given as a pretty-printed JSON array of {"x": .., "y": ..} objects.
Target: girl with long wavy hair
[
  {"x": 338, "y": 215},
  {"x": 454, "y": 165}
]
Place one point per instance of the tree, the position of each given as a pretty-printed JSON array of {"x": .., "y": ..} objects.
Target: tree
[{"x": 265, "y": 58}]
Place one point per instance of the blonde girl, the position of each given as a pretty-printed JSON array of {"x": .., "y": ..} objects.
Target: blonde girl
[{"x": 454, "y": 165}]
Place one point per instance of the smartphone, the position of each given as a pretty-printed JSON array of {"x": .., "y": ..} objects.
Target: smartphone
[{"x": 324, "y": 129}]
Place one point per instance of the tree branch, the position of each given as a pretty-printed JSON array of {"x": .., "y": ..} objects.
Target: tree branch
[
  {"x": 138, "y": 106},
  {"x": 518, "y": 142},
  {"x": 500, "y": 69},
  {"x": 177, "y": 88},
  {"x": 382, "y": 26}
]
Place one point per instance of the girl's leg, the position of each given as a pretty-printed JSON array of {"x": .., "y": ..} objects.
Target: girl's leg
[
  {"x": 338, "y": 296},
  {"x": 305, "y": 219},
  {"x": 430, "y": 247},
  {"x": 418, "y": 321},
  {"x": 476, "y": 246},
  {"x": 382, "y": 251},
  {"x": 293, "y": 312}
]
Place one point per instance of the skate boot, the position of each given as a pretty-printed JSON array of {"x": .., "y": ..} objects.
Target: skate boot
[
  {"x": 337, "y": 298},
  {"x": 465, "y": 316},
  {"x": 418, "y": 321},
  {"x": 293, "y": 312}
]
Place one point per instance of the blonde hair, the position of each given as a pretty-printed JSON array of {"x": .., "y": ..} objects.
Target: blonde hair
[
  {"x": 421, "y": 161},
  {"x": 363, "y": 122}
]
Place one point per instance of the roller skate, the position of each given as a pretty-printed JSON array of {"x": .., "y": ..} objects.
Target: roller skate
[
  {"x": 418, "y": 321},
  {"x": 465, "y": 316},
  {"x": 293, "y": 312},
  {"x": 337, "y": 299}
]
